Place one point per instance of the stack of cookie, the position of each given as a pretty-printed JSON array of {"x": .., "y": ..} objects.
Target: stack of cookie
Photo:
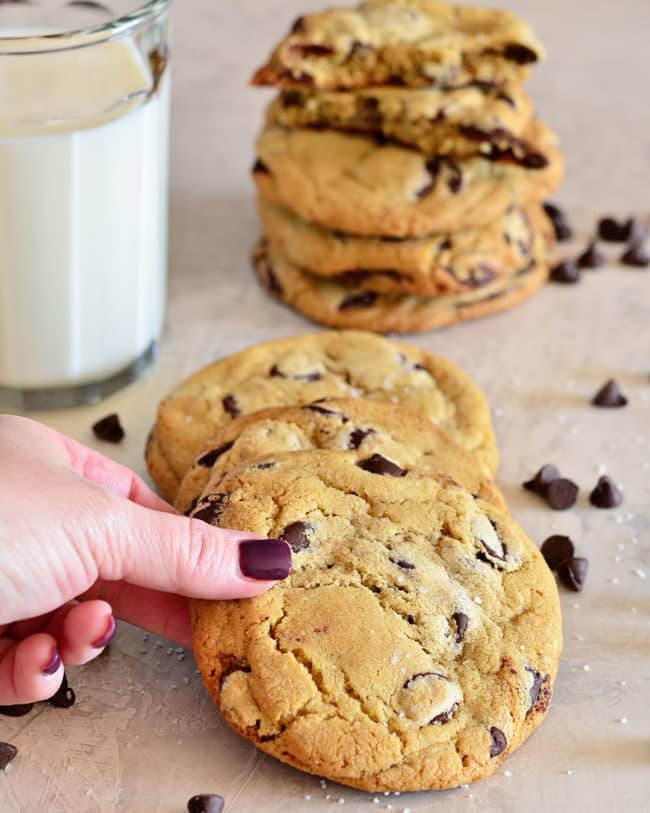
[
  {"x": 373, "y": 461},
  {"x": 401, "y": 169}
]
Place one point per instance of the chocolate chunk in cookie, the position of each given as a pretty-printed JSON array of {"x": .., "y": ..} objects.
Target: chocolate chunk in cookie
[
  {"x": 558, "y": 218},
  {"x": 378, "y": 464},
  {"x": 499, "y": 742},
  {"x": 297, "y": 535}
]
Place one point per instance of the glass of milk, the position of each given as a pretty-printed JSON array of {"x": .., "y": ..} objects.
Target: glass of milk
[{"x": 84, "y": 156}]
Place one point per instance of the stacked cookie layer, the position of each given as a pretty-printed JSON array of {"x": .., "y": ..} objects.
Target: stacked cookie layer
[
  {"x": 373, "y": 461},
  {"x": 401, "y": 170}
]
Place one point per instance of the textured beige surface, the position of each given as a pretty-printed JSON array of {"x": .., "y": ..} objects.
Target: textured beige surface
[{"x": 118, "y": 748}]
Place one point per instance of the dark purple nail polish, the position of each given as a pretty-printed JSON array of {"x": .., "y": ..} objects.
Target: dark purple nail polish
[
  {"x": 265, "y": 559},
  {"x": 108, "y": 636},
  {"x": 53, "y": 664}
]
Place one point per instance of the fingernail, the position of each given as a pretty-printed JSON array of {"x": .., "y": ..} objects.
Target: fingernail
[
  {"x": 108, "y": 636},
  {"x": 265, "y": 559},
  {"x": 53, "y": 664}
]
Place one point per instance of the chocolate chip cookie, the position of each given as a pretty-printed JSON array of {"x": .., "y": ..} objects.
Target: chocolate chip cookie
[
  {"x": 304, "y": 369},
  {"x": 355, "y": 184},
  {"x": 365, "y": 429},
  {"x": 451, "y": 262},
  {"x": 334, "y": 304},
  {"x": 479, "y": 119},
  {"x": 415, "y": 643},
  {"x": 403, "y": 42}
]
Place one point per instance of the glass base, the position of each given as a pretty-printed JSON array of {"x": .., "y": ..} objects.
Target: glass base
[{"x": 12, "y": 400}]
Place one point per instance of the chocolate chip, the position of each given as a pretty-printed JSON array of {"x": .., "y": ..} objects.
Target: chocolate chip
[
  {"x": 314, "y": 376},
  {"x": 566, "y": 272},
  {"x": 64, "y": 696},
  {"x": 18, "y": 710},
  {"x": 557, "y": 549},
  {"x": 210, "y": 508},
  {"x": 298, "y": 25},
  {"x": 573, "y": 573},
  {"x": 192, "y": 505},
  {"x": 444, "y": 716},
  {"x": 561, "y": 494},
  {"x": 205, "y": 803},
  {"x": 591, "y": 257},
  {"x": 432, "y": 167},
  {"x": 403, "y": 564},
  {"x": 606, "y": 494},
  {"x": 263, "y": 466},
  {"x": 499, "y": 742},
  {"x": 272, "y": 281},
  {"x": 541, "y": 481},
  {"x": 487, "y": 534},
  {"x": 455, "y": 182},
  {"x": 231, "y": 406},
  {"x": 460, "y": 619},
  {"x": 364, "y": 299},
  {"x": 358, "y": 277},
  {"x": 636, "y": 256},
  {"x": 307, "y": 49},
  {"x": 292, "y": 98},
  {"x": 609, "y": 396},
  {"x": 260, "y": 167},
  {"x": 445, "y": 245},
  {"x": 521, "y": 54},
  {"x": 612, "y": 231},
  {"x": 7, "y": 754},
  {"x": 325, "y": 411},
  {"x": 295, "y": 535},
  {"x": 534, "y": 689},
  {"x": 561, "y": 227},
  {"x": 378, "y": 464},
  {"x": 357, "y": 436},
  {"x": 210, "y": 458},
  {"x": 109, "y": 429}
]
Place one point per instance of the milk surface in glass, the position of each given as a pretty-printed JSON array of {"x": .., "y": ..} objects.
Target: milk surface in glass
[{"x": 83, "y": 212}]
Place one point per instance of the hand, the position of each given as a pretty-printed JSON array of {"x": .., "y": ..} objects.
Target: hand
[{"x": 82, "y": 540}]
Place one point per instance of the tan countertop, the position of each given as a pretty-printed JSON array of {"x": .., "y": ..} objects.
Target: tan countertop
[{"x": 143, "y": 736}]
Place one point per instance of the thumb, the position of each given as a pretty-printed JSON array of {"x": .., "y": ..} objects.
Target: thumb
[{"x": 177, "y": 554}]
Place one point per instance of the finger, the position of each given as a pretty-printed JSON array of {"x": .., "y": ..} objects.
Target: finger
[
  {"x": 164, "y": 614},
  {"x": 84, "y": 632},
  {"x": 30, "y": 670},
  {"x": 179, "y": 555},
  {"x": 92, "y": 465},
  {"x": 48, "y": 622}
]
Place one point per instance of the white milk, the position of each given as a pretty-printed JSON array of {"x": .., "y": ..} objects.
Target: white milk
[{"x": 83, "y": 214}]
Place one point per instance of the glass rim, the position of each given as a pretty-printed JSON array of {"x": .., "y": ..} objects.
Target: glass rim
[{"x": 30, "y": 44}]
